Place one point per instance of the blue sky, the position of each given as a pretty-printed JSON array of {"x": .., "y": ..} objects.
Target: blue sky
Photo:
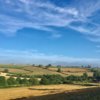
[{"x": 63, "y": 32}]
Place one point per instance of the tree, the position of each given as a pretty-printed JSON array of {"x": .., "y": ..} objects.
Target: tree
[
  {"x": 33, "y": 65},
  {"x": 51, "y": 79},
  {"x": 25, "y": 81},
  {"x": 33, "y": 81},
  {"x": 6, "y": 71},
  {"x": 88, "y": 66},
  {"x": 3, "y": 81},
  {"x": 48, "y": 66},
  {"x": 58, "y": 66},
  {"x": 85, "y": 76},
  {"x": 72, "y": 78},
  {"x": 59, "y": 70},
  {"x": 45, "y": 81},
  {"x": 82, "y": 66},
  {"x": 66, "y": 81},
  {"x": 11, "y": 81},
  {"x": 96, "y": 75},
  {"x": 19, "y": 80},
  {"x": 40, "y": 65}
]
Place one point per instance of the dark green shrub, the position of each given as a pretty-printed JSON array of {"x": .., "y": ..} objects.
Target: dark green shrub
[
  {"x": 19, "y": 80},
  {"x": 96, "y": 75},
  {"x": 85, "y": 76},
  {"x": 45, "y": 81},
  {"x": 11, "y": 81},
  {"x": 33, "y": 81},
  {"x": 59, "y": 70},
  {"x": 52, "y": 79},
  {"x": 3, "y": 81},
  {"x": 6, "y": 71}
]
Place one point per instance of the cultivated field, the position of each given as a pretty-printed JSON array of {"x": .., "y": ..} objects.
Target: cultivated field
[
  {"x": 13, "y": 93},
  {"x": 31, "y": 70},
  {"x": 73, "y": 71}
]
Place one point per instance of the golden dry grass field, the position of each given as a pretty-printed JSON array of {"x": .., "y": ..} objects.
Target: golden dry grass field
[
  {"x": 53, "y": 70},
  {"x": 31, "y": 70},
  {"x": 73, "y": 71},
  {"x": 40, "y": 71},
  {"x": 13, "y": 93}
]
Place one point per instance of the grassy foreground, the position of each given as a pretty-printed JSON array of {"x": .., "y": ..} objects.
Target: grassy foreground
[
  {"x": 39, "y": 92},
  {"x": 82, "y": 94}
]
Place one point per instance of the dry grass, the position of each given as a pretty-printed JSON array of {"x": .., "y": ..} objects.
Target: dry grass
[
  {"x": 65, "y": 71},
  {"x": 2, "y": 69},
  {"x": 15, "y": 70},
  {"x": 81, "y": 94},
  {"x": 18, "y": 71},
  {"x": 30, "y": 70},
  {"x": 73, "y": 71},
  {"x": 77, "y": 74},
  {"x": 13, "y": 93},
  {"x": 40, "y": 71}
]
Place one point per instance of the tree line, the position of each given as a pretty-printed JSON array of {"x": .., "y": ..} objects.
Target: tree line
[
  {"x": 11, "y": 81},
  {"x": 47, "y": 79}
]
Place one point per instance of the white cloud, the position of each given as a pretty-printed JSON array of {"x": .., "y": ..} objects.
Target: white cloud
[
  {"x": 95, "y": 39},
  {"x": 33, "y": 56},
  {"x": 42, "y": 14},
  {"x": 34, "y": 14}
]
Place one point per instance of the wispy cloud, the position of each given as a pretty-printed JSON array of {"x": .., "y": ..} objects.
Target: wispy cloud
[
  {"x": 34, "y": 56},
  {"x": 40, "y": 14},
  {"x": 31, "y": 13}
]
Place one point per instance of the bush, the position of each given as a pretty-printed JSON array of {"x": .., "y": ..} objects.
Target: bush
[
  {"x": 59, "y": 70},
  {"x": 6, "y": 71},
  {"x": 19, "y": 80},
  {"x": 45, "y": 81},
  {"x": 48, "y": 66},
  {"x": 52, "y": 79},
  {"x": 3, "y": 81},
  {"x": 25, "y": 81},
  {"x": 11, "y": 81},
  {"x": 96, "y": 75},
  {"x": 65, "y": 81},
  {"x": 85, "y": 76},
  {"x": 33, "y": 81},
  {"x": 73, "y": 78}
]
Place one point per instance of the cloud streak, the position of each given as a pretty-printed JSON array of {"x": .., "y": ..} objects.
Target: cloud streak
[
  {"x": 34, "y": 56},
  {"x": 18, "y": 14}
]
